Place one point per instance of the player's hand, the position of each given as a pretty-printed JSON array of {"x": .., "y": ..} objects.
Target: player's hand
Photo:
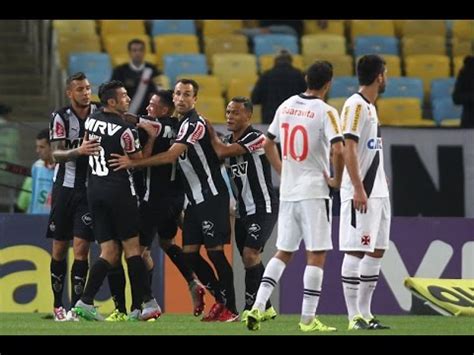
[
  {"x": 119, "y": 162},
  {"x": 332, "y": 182},
  {"x": 360, "y": 200},
  {"x": 89, "y": 147}
]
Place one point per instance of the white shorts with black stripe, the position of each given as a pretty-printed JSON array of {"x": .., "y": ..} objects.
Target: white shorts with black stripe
[
  {"x": 365, "y": 231},
  {"x": 308, "y": 220}
]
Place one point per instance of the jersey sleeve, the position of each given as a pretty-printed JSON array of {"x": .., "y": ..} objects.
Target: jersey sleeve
[
  {"x": 129, "y": 141},
  {"x": 57, "y": 128},
  {"x": 332, "y": 127},
  {"x": 252, "y": 141},
  {"x": 273, "y": 131},
  {"x": 191, "y": 132},
  {"x": 352, "y": 113}
]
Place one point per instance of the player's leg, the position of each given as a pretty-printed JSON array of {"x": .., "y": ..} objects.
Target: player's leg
[{"x": 371, "y": 263}]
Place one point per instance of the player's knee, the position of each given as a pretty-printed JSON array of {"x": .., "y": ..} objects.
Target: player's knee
[
  {"x": 60, "y": 248},
  {"x": 250, "y": 257},
  {"x": 165, "y": 244}
]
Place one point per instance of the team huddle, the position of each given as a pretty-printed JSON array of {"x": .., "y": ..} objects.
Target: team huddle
[{"x": 120, "y": 179}]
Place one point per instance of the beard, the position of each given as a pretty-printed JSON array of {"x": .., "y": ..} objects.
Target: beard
[{"x": 382, "y": 88}]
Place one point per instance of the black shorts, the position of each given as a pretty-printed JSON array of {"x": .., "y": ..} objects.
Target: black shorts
[
  {"x": 207, "y": 223},
  {"x": 253, "y": 231},
  {"x": 69, "y": 216},
  {"x": 115, "y": 215},
  {"x": 163, "y": 220}
]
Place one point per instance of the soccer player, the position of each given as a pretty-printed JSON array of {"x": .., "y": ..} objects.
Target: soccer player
[
  {"x": 162, "y": 204},
  {"x": 205, "y": 221},
  {"x": 365, "y": 205},
  {"x": 257, "y": 200},
  {"x": 307, "y": 129},
  {"x": 69, "y": 217},
  {"x": 113, "y": 203}
]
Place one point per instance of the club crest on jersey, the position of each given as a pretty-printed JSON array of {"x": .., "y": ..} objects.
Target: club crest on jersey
[
  {"x": 208, "y": 228},
  {"x": 365, "y": 240}
]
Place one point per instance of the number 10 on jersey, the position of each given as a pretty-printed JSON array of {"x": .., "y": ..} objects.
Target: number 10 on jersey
[{"x": 295, "y": 139}]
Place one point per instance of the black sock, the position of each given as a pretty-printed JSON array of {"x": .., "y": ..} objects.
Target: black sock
[
  {"x": 116, "y": 277},
  {"x": 226, "y": 277},
  {"x": 205, "y": 273},
  {"x": 139, "y": 279},
  {"x": 78, "y": 279},
  {"x": 253, "y": 276},
  {"x": 58, "y": 274},
  {"x": 150, "y": 276},
  {"x": 176, "y": 255},
  {"x": 96, "y": 278}
]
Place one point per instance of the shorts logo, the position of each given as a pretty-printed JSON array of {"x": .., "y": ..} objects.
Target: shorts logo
[
  {"x": 253, "y": 230},
  {"x": 87, "y": 219},
  {"x": 365, "y": 240},
  {"x": 52, "y": 227},
  {"x": 208, "y": 228}
]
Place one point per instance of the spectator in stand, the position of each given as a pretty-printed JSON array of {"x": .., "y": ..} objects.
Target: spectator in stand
[
  {"x": 277, "y": 84},
  {"x": 463, "y": 93}
]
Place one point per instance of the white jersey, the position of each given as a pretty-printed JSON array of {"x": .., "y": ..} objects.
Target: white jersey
[
  {"x": 360, "y": 122},
  {"x": 305, "y": 127}
]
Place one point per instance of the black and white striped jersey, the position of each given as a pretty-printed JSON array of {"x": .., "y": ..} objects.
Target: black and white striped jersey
[
  {"x": 200, "y": 166},
  {"x": 115, "y": 136},
  {"x": 251, "y": 174},
  {"x": 66, "y": 125},
  {"x": 162, "y": 181}
]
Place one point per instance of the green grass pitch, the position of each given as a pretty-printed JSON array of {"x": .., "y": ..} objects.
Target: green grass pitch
[{"x": 174, "y": 324}]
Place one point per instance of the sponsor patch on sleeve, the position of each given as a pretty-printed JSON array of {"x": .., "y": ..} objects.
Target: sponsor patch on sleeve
[
  {"x": 59, "y": 128},
  {"x": 127, "y": 141},
  {"x": 355, "y": 124},
  {"x": 197, "y": 134},
  {"x": 334, "y": 123}
]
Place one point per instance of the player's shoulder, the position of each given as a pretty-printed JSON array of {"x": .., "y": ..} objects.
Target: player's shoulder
[{"x": 63, "y": 111}]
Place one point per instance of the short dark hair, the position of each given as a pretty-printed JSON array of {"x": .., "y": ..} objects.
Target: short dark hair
[
  {"x": 243, "y": 100},
  {"x": 369, "y": 67},
  {"x": 76, "y": 76},
  {"x": 283, "y": 57},
  {"x": 43, "y": 134},
  {"x": 135, "y": 41},
  {"x": 108, "y": 90},
  {"x": 189, "y": 81},
  {"x": 318, "y": 74},
  {"x": 166, "y": 97}
]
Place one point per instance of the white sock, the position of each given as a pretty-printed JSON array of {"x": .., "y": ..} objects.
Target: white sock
[
  {"x": 312, "y": 281},
  {"x": 270, "y": 278},
  {"x": 350, "y": 283},
  {"x": 369, "y": 275}
]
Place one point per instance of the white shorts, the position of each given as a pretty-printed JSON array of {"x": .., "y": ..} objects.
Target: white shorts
[
  {"x": 365, "y": 231},
  {"x": 308, "y": 220}
]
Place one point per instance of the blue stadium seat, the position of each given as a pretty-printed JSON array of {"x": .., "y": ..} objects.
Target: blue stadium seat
[
  {"x": 444, "y": 109},
  {"x": 441, "y": 88},
  {"x": 96, "y": 66},
  {"x": 375, "y": 45},
  {"x": 164, "y": 27},
  {"x": 272, "y": 43},
  {"x": 177, "y": 64},
  {"x": 404, "y": 87},
  {"x": 344, "y": 86}
]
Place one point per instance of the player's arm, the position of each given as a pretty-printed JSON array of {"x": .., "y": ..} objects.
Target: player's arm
[
  {"x": 119, "y": 162},
  {"x": 351, "y": 161},
  {"x": 271, "y": 152},
  {"x": 337, "y": 155},
  {"x": 151, "y": 133},
  {"x": 222, "y": 149},
  {"x": 61, "y": 154}
]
